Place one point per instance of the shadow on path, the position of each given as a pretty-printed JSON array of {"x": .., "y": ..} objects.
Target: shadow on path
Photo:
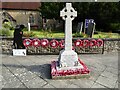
[{"x": 44, "y": 71}]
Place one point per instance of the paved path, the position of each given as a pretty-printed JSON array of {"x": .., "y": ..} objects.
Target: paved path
[{"x": 33, "y": 71}]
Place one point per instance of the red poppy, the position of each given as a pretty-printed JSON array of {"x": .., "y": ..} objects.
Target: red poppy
[{"x": 54, "y": 43}]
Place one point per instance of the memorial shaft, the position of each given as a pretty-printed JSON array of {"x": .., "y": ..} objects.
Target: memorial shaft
[{"x": 68, "y": 35}]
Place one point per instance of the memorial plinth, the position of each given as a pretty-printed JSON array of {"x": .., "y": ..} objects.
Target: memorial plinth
[{"x": 68, "y": 64}]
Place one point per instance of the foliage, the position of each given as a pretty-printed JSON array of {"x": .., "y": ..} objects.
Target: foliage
[
  {"x": 4, "y": 32},
  {"x": 80, "y": 35},
  {"x": 104, "y": 13},
  {"x": 28, "y": 34},
  {"x": 106, "y": 35},
  {"x": 115, "y": 26},
  {"x": 47, "y": 33},
  {"x": 25, "y": 29},
  {"x": 7, "y": 25},
  {"x": 51, "y": 10}
]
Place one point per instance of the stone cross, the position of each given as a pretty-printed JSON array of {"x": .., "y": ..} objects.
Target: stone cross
[
  {"x": 68, "y": 14},
  {"x": 68, "y": 57}
]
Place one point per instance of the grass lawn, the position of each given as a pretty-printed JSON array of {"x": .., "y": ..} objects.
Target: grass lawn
[
  {"x": 44, "y": 34},
  {"x": 49, "y": 34},
  {"x": 106, "y": 35}
]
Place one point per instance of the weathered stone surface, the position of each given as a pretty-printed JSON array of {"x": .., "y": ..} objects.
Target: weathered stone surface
[
  {"x": 97, "y": 85},
  {"x": 83, "y": 83},
  {"x": 40, "y": 60},
  {"x": 72, "y": 86},
  {"x": 59, "y": 83},
  {"x": 110, "y": 46},
  {"x": 109, "y": 75},
  {"x": 9, "y": 80},
  {"x": 112, "y": 70},
  {"x": 116, "y": 85},
  {"x": 36, "y": 82},
  {"x": 48, "y": 86},
  {"x": 26, "y": 76},
  {"x": 67, "y": 57},
  {"x": 108, "y": 82}
]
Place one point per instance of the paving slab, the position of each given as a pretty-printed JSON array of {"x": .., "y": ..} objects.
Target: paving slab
[
  {"x": 26, "y": 76},
  {"x": 48, "y": 86},
  {"x": 79, "y": 82},
  {"x": 116, "y": 85},
  {"x": 59, "y": 83},
  {"x": 108, "y": 82},
  {"x": 112, "y": 70},
  {"x": 109, "y": 75},
  {"x": 97, "y": 85},
  {"x": 36, "y": 82},
  {"x": 94, "y": 74},
  {"x": 33, "y": 71}
]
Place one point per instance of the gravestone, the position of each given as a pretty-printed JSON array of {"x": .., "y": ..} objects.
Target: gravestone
[
  {"x": 79, "y": 27},
  {"x": 28, "y": 26},
  {"x": 68, "y": 63},
  {"x": 87, "y": 21},
  {"x": 90, "y": 29}
]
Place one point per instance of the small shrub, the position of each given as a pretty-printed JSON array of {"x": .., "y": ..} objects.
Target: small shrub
[
  {"x": 25, "y": 29},
  {"x": 80, "y": 35},
  {"x": 47, "y": 33},
  {"x": 4, "y": 32},
  {"x": 115, "y": 26},
  {"x": 7, "y": 25},
  {"x": 28, "y": 34}
]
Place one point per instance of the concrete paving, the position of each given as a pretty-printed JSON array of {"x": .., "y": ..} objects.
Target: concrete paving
[{"x": 33, "y": 71}]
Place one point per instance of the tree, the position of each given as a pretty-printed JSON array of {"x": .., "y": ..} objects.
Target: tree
[
  {"x": 104, "y": 13},
  {"x": 51, "y": 9}
]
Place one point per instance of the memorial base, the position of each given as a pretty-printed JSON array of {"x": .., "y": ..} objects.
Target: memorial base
[{"x": 69, "y": 72}]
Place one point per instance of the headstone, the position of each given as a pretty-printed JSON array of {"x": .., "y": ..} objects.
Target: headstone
[
  {"x": 68, "y": 62},
  {"x": 90, "y": 29},
  {"x": 28, "y": 26},
  {"x": 80, "y": 27},
  {"x": 87, "y": 21},
  {"x": 0, "y": 19}
]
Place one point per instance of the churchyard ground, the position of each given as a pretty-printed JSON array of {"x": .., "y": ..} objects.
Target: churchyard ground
[{"x": 33, "y": 71}]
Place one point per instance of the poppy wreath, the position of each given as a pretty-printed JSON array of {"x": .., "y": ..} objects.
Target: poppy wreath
[
  {"x": 73, "y": 48},
  {"x": 54, "y": 43},
  {"x": 61, "y": 44},
  {"x": 92, "y": 43},
  {"x": 78, "y": 43},
  {"x": 36, "y": 42},
  {"x": 86, "y": 43},
  {"x": 27, "y": 42},
  {"x": 99, "y": 42},
  {"x": 44, "y": 42}
]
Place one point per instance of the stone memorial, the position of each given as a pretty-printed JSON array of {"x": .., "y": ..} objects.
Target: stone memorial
[
  {"x": 79, "y": 27},
  {"x": 28, "y": 26},
  {"x": 87, "y": 21},
  {"x": 68, "y": 63},
  {"x": 90, "y": 29}
]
